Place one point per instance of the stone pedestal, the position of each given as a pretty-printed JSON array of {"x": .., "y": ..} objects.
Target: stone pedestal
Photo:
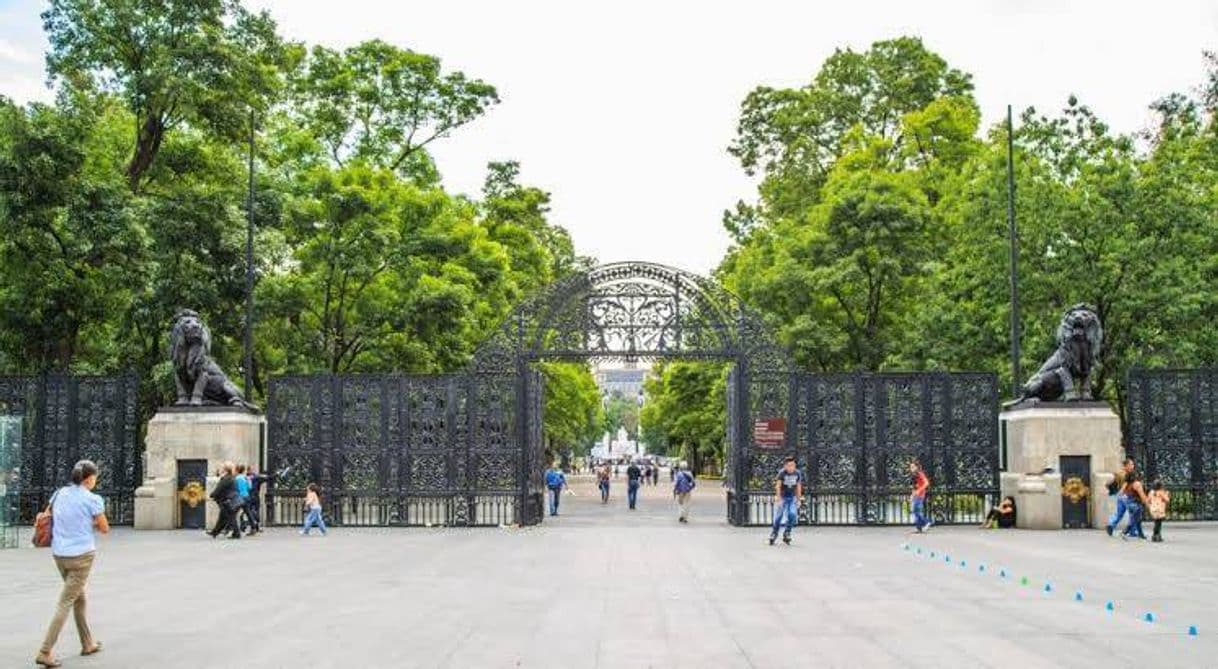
[
  {"x": 1038, "y": 435},
  {"x": 214, "y": 434}
]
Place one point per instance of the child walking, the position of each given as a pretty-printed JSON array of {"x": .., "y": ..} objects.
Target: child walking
[
  {"x": 1159, "y": 497},
  {"x": 313, "y": 511}
]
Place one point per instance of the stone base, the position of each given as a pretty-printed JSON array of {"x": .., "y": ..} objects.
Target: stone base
[
  {"x": 1037, "y": 436},
  {"x": 217, "y": 435}
]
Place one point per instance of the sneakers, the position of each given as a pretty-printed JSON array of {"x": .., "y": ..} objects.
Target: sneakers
[
  {"x": 1109, "y": 528},
  {"x": 786, "y": 539},
  {"x": 772, "y": 539},
  {"x": 930, "y": 522}
]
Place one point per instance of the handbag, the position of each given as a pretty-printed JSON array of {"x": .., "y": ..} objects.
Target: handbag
[{"x": 44, "y": 525}]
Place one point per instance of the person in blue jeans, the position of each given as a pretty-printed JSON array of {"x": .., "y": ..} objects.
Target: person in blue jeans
[
  {"x": 917, "y": 499},
  {"x": 634, "y": 478},
  {"x": 313, "y": 511},
  {"x": 1122, "y": 499},
  {"x": 788, "y": 491},
  {"x": 1136, "y": 501},
  {"x": 555, "y": 481}
]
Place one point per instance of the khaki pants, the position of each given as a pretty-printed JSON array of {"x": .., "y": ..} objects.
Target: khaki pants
[
  {"x": 75, "y": 573},
  {"x": 683, "y": 504}
]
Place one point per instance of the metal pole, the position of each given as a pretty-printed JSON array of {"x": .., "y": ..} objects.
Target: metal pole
[
  {"x": 1016, "y": 375},
  {"x": 249, "y": 273}
]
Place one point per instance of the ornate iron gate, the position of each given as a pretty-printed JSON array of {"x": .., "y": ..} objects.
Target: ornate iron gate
[
  {"x": 855, "y": 434},
  {"x": 1172, "y": 430},
  {"x": 396, "y": 449},
  {"x": 54, "y": 420}
]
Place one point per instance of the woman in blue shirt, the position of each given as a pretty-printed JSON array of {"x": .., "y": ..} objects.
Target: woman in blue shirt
[{"x": 76, "y": 512}]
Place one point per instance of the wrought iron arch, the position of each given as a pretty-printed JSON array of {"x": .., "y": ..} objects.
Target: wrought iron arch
[{"x": 632, "y": 310}]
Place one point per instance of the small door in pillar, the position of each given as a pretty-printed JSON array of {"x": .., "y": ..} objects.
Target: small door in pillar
[
  {"x": 1076, "y": 491},
  {"x": 192, "y": 494}
]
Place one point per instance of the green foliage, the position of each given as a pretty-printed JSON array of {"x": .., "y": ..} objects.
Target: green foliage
[
  {"x": 686, "y": 412},
  {"x": 205, "y": 63},
  {"x": 574, "y": 414}
]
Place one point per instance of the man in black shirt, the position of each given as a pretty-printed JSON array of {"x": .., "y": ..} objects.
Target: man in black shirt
[{"x": 634, "y": 476}]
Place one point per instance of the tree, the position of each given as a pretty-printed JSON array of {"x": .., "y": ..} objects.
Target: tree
[
  {"x": 202, "y": 62},
  {"x": 573, "y": 406},
  {"x": 384, "y": 105},
  {"x": 686, "y": 412}
]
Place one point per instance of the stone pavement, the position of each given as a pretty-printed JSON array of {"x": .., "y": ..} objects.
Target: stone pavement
[{"x": 600, "y": 586}]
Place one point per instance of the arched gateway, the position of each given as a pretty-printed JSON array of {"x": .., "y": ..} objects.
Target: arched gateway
[{"x": 466, "y": 449}]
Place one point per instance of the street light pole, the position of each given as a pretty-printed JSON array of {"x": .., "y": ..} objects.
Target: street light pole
[
  {"x": 248, "y": 343},
  {"x": 1016, "y": 376}
]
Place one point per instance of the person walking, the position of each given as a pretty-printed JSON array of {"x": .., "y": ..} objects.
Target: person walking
[
  {"x": 313, "y": 511},
  {"x": 555, "y": 481},
  {"x": 1159, "y": 499},
  {"x": 1135, "y": 505},
  {"x": 255, "y": 500},
  {"x": 633, "y": 477},
  {"x": 682, "y": 489},
  {"x": 1122, "y": 500},
  {"x": 76, "y": 513},
  {"x": 602, "y": 482},
  {"x": 242, "y": 483},
  {"x": 788, "y": 493},
  {"x": 226, "y": 497},
  {"x": 917, "y": 499}
]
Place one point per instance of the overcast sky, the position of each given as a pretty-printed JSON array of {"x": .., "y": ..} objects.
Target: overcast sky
[{"x": 623, "y": 110}]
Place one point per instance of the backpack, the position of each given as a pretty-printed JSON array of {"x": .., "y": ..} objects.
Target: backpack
[
  {"x": 685, "y": 482},
  {"x": 553, "y": 478}
]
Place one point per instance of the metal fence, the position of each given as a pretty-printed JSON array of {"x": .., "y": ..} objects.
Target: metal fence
[
  {"x": 1172, "y": 430},
  {"x": 854, "y": 436},
  {"x": 49, "y": 422}
]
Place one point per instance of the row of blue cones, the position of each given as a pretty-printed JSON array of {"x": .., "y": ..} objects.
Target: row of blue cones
[{"x": 1109, "y": 606}]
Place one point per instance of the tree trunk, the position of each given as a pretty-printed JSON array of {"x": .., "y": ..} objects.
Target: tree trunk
[{"x": 147, "y": 145}]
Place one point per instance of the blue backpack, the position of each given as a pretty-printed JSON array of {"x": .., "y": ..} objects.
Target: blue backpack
[
  {"x": 554, "y": 478},
  {"x": 685, "y": 482}
]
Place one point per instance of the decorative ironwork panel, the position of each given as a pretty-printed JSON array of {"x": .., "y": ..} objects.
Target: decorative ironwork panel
[
  {"x": 63, "y": 419},
  {"x": 856, "y": 434},
  {"x": 1172, "y": 428}
]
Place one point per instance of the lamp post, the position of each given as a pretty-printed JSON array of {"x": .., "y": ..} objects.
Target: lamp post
[
  {"x": 1014, "y": 254},
  {"x": 248, "y": 343}
]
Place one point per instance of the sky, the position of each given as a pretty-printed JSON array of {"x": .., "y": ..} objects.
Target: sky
[{"x": 623, "y": 111}]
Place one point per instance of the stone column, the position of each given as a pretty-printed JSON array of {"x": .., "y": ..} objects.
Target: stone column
[
  {"x": 1038, "y": 434},
  {"x": 214, "y": 434}
]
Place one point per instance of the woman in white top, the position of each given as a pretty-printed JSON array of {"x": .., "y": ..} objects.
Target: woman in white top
[{"x": 76, "y": 512}]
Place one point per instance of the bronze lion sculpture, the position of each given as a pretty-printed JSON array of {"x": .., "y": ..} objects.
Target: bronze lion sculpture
[
  {"x": 198, "y": 379},
  {"x": 1066, "y": 375}
]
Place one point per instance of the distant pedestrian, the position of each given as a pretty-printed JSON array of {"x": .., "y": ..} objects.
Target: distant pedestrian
[
  {"x": 683, "y": 488},
  {"x": 1122, "y": 500},
  {"x": 75, "y": 513},
  {"x": 602, "y": 482},
  {"x": 788, "y": 493},
  {"x": 1135, "y": 505},
  {"x": 917, "y": 498},
  {"x": 655, "y": 475},
  {"x": 633, "y": 477},
  {"x": 1159, "y": 499},
  {"x": 672, "y": 472},
  {"x": 555, "y": 481},
  {"x": 226, "y": 497},
  {"x": 615, "y": 471},
  {"x": 313, "y": 511}
]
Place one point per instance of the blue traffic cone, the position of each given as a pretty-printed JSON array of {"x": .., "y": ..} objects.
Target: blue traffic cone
[
  {"x": 1109, "y": 607},
  {"x": 1078, "y": 596},
  {"x": 1149, "y": 617},
  {"x": 981, "y": 568},
  {"x": 1192, "y": 630},
  {"x": 1048, "y": 587}
]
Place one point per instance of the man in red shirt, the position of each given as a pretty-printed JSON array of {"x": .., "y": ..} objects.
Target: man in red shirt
[{"x": 921, "y": 484}]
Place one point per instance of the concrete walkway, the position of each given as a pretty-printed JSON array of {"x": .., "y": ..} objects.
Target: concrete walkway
[{"x": 600, "y": 586}]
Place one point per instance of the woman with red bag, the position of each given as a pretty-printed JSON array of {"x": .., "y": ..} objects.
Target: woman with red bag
[{"x": 75, "y": 513}]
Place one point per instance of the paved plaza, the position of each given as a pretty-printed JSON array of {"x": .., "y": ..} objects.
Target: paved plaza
[{"x": 601, "y": 586}]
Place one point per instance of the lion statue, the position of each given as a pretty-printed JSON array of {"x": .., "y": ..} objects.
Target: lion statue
[
  {"x": 1066, "y": 375},
  {"x": 199, "y": 380}
]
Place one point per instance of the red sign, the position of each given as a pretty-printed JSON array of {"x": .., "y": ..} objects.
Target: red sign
[{"x": 770, "y": 433}]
